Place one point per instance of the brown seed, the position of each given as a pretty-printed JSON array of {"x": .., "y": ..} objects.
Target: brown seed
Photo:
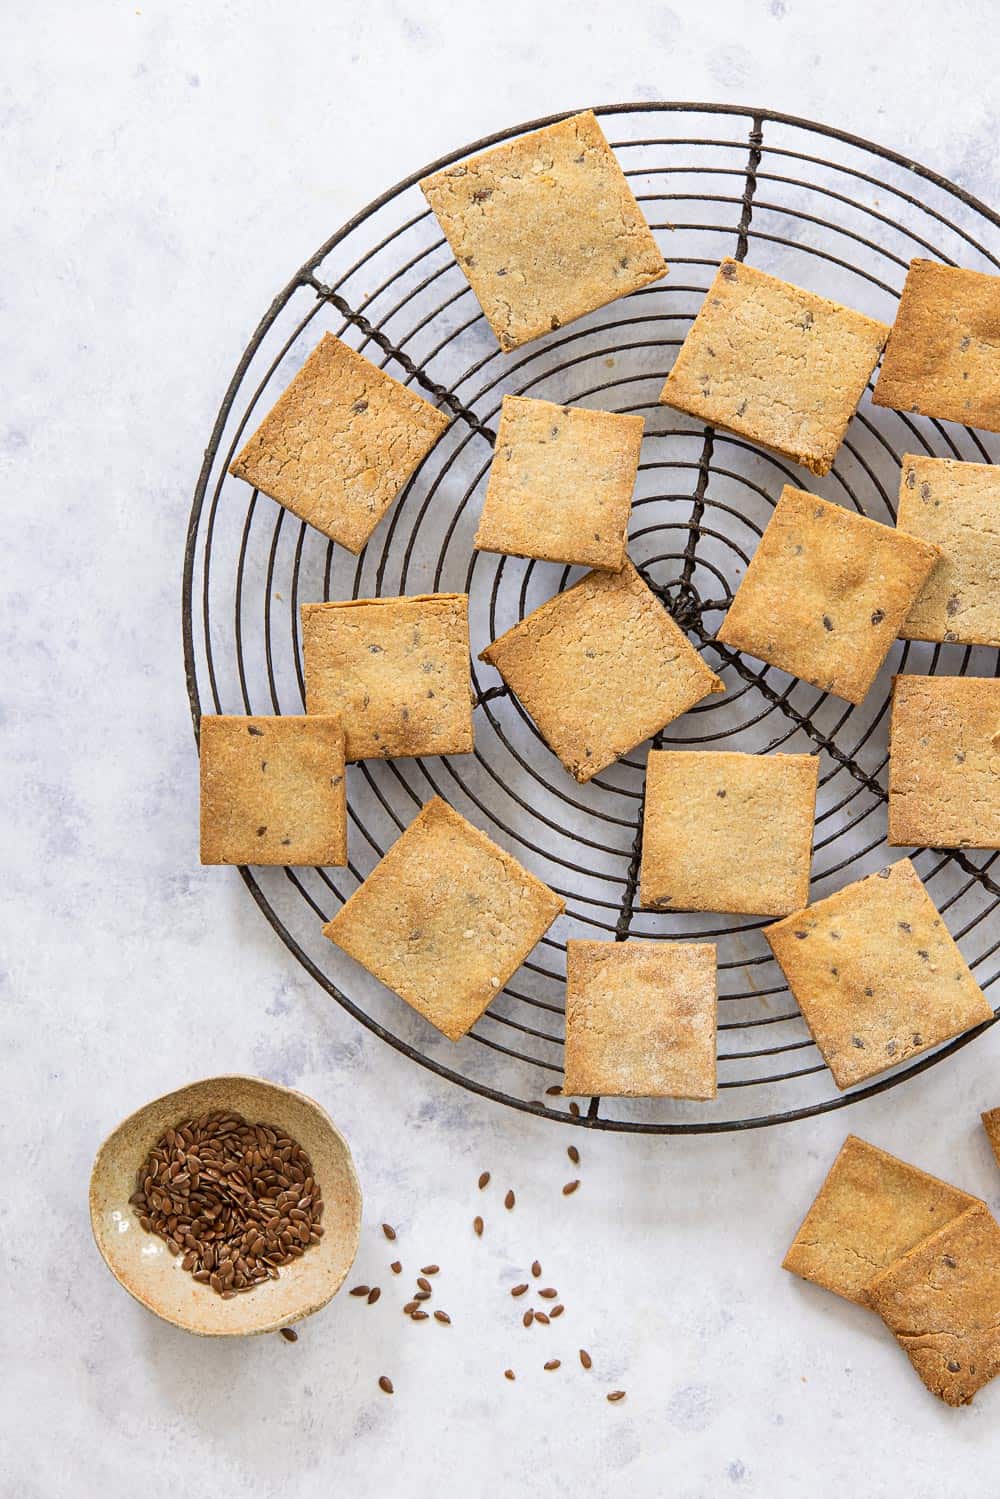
[
  {"x": 430, "y": 1269},
  {"x": 586, "y": 1359},
  {"x": 484, "y": 1180},
  {"x": 388, "y": 1230},
  {"x": 542, "y": 1317},
  {"x": 616, "y": 1395},
  {"x": 421, "y": 1295},
  {"x": 553, "y": 1363},
  {"x": 536, "y": 1268},
  {"x": 519, "y": 1290},
  {"x": 418, "y": 1316},
  {"x": 477, "y": 1225},
  {"x": 509, "y": 1374},
  {"x": 553, "y": 1091},
  {"x": 385, "y": 1384},
  {"x": 528, "y": 1317},
  {"x": 411, "y": 1306},
  {"x": 424, "y": 1283},
  {"x": 574, "y": 1109},
  {"x": 508, "y": 1201},
  {"x": 442, "y": 1317},
  {"x": 573, "y": 1154},
  {"x": 360, "y": 1290},
  {"x": 373, "y": 1295},
  {"x": 549, "y": 1293},
  {"x": 557, "y": 1311},
  {"x": 289, "y": 1334},
  {"x": 395, "y": 1267},
  {"x": 570, "y": 1187}
]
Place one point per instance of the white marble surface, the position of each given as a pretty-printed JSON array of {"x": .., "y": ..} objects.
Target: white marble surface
[{"x": 165, "y": 167}]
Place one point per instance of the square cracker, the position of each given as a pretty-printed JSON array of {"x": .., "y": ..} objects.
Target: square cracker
[
  {"x": 942, "y": 1301},
  {"x": 545, "y": 228},
  {"x": 991, "y": 1124},
  {"x": 876, "y": 974},
  {"x": 640, "y": 1019},
  {"x": 445, "y": 918},
  {"x": 825, "y": 593},
  {"x": 560, "y": 485},
  {"x": 956, "y": 506},
  {"x": 943, "y": 354},
  {"x": 396, "y": 672},
  {"x": 340, "y": 443},
  {"x": 871, "y": 1209},
  {"x": 776, "y": 364},
  {"x": 273, "y": 791},
  {"x": 600, "y": 668},
  {"x": 727, "y": 832},
  {"x": 944, "y": 762}
]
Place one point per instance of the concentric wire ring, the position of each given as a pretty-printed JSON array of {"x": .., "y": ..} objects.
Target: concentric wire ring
[{"x": 817, "y": 206}]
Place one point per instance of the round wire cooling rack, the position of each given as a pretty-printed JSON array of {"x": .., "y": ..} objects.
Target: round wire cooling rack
[{"x": 812, "y": 204}]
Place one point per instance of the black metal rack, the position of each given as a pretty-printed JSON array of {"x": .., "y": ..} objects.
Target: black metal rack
[{"x": 816, "y": 205}]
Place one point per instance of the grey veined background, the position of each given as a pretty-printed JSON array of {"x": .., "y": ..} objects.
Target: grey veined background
[{"x": 166, "y": 168}]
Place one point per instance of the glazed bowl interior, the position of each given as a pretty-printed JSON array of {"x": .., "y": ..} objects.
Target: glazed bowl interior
[{"x": 142, "y": 1263}]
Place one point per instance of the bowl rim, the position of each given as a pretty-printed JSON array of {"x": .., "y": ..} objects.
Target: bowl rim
[{"x": 340, "y": 1141}]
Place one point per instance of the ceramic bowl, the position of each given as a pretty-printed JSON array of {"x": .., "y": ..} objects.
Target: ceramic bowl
[{"x": 142, "y": 1263}]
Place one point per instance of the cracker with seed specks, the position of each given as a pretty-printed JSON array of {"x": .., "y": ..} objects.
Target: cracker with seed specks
[
  {"x": 340, "y": 443},
  {"x": 600, "y": 668},
  {"x": 640, "y": 1019},
  {"x": 394, "y": 670},
  {"x": 991, "y": 1124},
  {"x": 943, "y": 354},
  {"x": 560, "y": 485},
  {"x": 776, "y": 364},
  {"x": 273, "y": 791},
  {"x": 826, "y": 593},
  {"x": 876, "y": 974},
  {"x": 727, "y": 832},
  {"x": 942, "y": 1301},
  {"x": 871, "y": 1209},
  {"x": 944, "y": 762},
  {"x": 545, "y": 228},
  {"x": 445, "y": 918},
  {"x": 955, "y": 506}
]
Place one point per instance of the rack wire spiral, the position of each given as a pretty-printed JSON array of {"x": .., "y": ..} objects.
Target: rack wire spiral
[{"x": 812, "y": 204}]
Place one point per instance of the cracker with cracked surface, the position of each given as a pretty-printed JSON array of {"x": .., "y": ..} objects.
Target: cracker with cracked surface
[
  {"x": 600, "y": 668},
  {"x": 273, "y": 791},
  {"x": 871, "y": 1209},
  {"x": 991, "y": 1124},
  {"x": 776, "y": 364},
  {"x": 826, "y": 593},
  {"x": 727, "y": 832},
  {"x": 445, "y": 918},
  {"x": 876, "y": 974},
  {"x": 395, "y": 670},
  {"x": 545, "y": 228},
  {"x": 943, "y": 354},
  {"x": 944, "y": 762},
  {"x": 640, "y": 1019},
  {"x": 560, "y": 485},
  {"x": 942, "y": 1302},
  {"x": 340, "y": 443},
  {"x": 956, "y": 506}
]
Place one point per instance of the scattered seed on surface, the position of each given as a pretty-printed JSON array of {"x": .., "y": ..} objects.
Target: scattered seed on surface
[
  {"x": 430, "y": 1269},
  {"x": 411, "y": 1307},
  {"x": 557, "y": 1311},
  {"x": 509, "y": 1374},
  {"x": 549, "y": 1293},
  {"x": 616, "y": 1395},
  {"x": 388, "y": 1230},
  {"x": 569, "y": 1188},
  {"x": 543, "y": 1318},
  {"x": 421, "y": 1295},
  {"x": 418, "y": 1316},
  {"x": 395, "y": 1267},
  {"x": 573, "y": 1154},
  {"x": 385, "y": 1384},
  {"x": 528, "y": 1317},
  {"x": 553, "y": 1091},
  {"x": 477, "y": 1225},
  {"x": 574, "y": 1109},
  {"x": 424, "y": 1283},
  {"x": 586, "y": 1359},
  {"x": 519, "y": 1290},
  {"x": 442, "y": 1317},
  {"x": 360, "y": 1290},
  {"x": 536, "y": 1268},
  {"x": 374, "y": 1294},
  {"x": 484, "y": 1180},
  {"x": 509, "y": 1201},
  {"x": 289, "y": 1334},
  {"x": 552, "y": 1363}
]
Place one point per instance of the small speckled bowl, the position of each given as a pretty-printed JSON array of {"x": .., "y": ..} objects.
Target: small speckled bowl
[{"x": 142, "y": 1263}]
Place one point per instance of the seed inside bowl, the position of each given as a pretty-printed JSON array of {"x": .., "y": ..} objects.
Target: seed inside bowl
[{"x": 235, "y": 1200}]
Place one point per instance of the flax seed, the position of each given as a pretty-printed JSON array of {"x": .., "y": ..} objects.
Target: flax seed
[
  {"x": 509, "y": 1374},
  {"x": 442, "y": 1317},
  {"x": 424, "y": 1283},
  {"x": 573, "y": 1154},
  {"x": 484, "y": 1180},
  {"x": 536, "y": 1268},
  {"x": 388, "y": 1230},
  {"x": 549, "y": 1294},
  {"x": 289, "y": 1334},
  {"x": 519, "y": 1290},
  {"x": 430, "y": 1269},
  {"x": 616, "y": 1395},
  {"x": 528, "y": 1317},
  {"x": 373, "y": 1295},
  {"x": 542, "y": 1317},
  {"x": 477, "y": 1226},
  {"x": 508, "y": 1201},
  {"x": 395, "y": 1267},
  {"x": 586, "y": 1359},
  {"x": 360, "y": 1290},
  {"x": 553, "y": 1363},
  {"x": 569, "y": 1188},
  {"x": 385, "y": 1384},
  {"x": 557, "y": 1311}
]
